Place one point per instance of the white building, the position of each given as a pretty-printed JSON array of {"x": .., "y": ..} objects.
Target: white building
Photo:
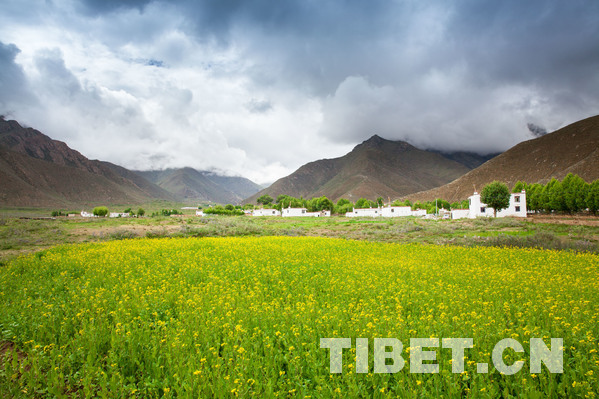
[
  {"x": 199, "y": 212},
  {"x": 516, "y": 208},
  {"x": 303, "y": 212},
  {"x": 460, "y": 213},
  {"x": 87, "y": 215},
  {"x": 389, "y": 211},
  {"x": 396, "y": 211},
  {"x": 364, "y": 212},
  {"x": 266, "y": 212},
  {"x": 119, "y": 215}
]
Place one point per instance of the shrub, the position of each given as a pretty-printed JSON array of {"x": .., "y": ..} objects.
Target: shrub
[{"x": 100, "y": 211}]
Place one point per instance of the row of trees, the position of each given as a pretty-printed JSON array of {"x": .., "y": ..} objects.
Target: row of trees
[
  {"x": 228, "y": 210},
  {"x": 344, "y": 205},
  {"x": 572, "y": 194},
  {"x": 102, "y": 211}
]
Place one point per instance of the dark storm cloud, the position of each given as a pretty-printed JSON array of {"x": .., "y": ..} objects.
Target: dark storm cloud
[
  {"x": 105, "y": 6},
  {"x": 13, "y": 83}
]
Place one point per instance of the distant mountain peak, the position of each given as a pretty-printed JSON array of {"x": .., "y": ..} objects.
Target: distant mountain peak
[
  {"x": 377, "y": 142},
  {"x": 376, "y": 167}
]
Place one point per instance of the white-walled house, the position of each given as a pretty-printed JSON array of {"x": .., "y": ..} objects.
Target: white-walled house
[
  {"x": 364, "y": 212},
  {"x": 199, "y": 212},
  {"x": 460, "y": 213},
  {"x": 266, "y": 212},
  {"x": 303, "y": 212},
  {"x": 85, "y": 214},
  {"x": 396, "y": 211},
  {"x": 389, "y": 211},
  {"x": 516, "y": 208},
  {"x": 119, "y": 214}
]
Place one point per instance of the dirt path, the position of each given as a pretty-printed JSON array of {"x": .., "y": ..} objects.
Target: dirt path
[{"x": 572, "y": 220}]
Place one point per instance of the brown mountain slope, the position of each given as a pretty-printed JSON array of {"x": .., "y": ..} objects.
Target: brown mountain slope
[
  {"x": 572, "y": 149},
  {"x": 192, "y": 184},
  {"x": 38, "y": 171},
  {"x": 376, "y": 167}
]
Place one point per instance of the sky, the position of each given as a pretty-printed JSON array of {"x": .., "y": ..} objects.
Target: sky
[{"x": 257, "y": 88}]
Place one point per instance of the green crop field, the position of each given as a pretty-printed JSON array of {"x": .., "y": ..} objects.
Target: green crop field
[{"x": 226, "y": 317}]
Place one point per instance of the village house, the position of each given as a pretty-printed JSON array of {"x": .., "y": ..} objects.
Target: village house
[
  {"x": 119, "y": 214},
  {"x": 388, "y": 211},
  {"x": 303, "y": 212},
  {"x": 85, "y": 214},
  {"x": 516, "y": 208},
  {"x": 199, "y": 212},
  {"x": 266, "y": 212}
]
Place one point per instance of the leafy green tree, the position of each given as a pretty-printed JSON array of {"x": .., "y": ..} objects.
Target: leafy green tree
[
  {"x": 128, "y": 210},
  {"x": 343, "y": 206},
  {"x": 100, "y": 211},
  {"x": 534, "y": 200},
  {"x": 264, "y": 200},
  {"x": 380, "y": 201},
  {"x": 518, "y": 187},
  {"x": 229, "y": 207},
  {"x": 418, "y": 205},
  {"x": 552, "y": 196},
  {"x": 248, "y": 206},
  {"x": 286, "y": 201},
  {"x": 592, "y": 198},
  {"x": 575, "y": 191},
  {"x": 364, "y": 203},
  {"x": 441, "y": 203},
  {"x": 496, "y": 195},
  {"x": 141, "y": 212}
]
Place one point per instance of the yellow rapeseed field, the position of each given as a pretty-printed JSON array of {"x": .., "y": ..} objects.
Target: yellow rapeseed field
[{"x": 244, "y": 317}]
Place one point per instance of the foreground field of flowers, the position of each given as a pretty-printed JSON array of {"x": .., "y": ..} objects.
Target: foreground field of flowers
[{"x": 244, "y": 317}]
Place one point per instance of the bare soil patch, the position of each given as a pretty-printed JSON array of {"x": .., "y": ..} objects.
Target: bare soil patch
[{"x": 572, "y": 220}]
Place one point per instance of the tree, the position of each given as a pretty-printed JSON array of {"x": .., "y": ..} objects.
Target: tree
[
  {"x": 141, "y": 212},
  {"x": 418, "y": 205},
  {"x": 364, "y": 203},
  {"x": 380, "y": 201},
  {"x": 128, "y": 210},
  {"x": 575, "y": 191},
  {"x": 592, "y": 198},
  {"x": 496, "y": 195},
  {"x": 552, "y": 196},
  {"x": 518, "y": 187},
  {"x": 343, "y": 206},
  {"x": 264, "y": 200},
  {"x": 320, "y": 204},
  {"x": 534, "y": 197},
  {"x": 100, "y": 211}
]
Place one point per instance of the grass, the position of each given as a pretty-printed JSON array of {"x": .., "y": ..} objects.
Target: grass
[{"x": 18, "y": 236}]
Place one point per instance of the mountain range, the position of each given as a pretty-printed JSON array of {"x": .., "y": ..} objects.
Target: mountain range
[
  {"x": 37, "y": 171},
  {"x": 571, "y": 149},
  {"x": 376, "y": 167},
  {"x": 191, "y": 184}
]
